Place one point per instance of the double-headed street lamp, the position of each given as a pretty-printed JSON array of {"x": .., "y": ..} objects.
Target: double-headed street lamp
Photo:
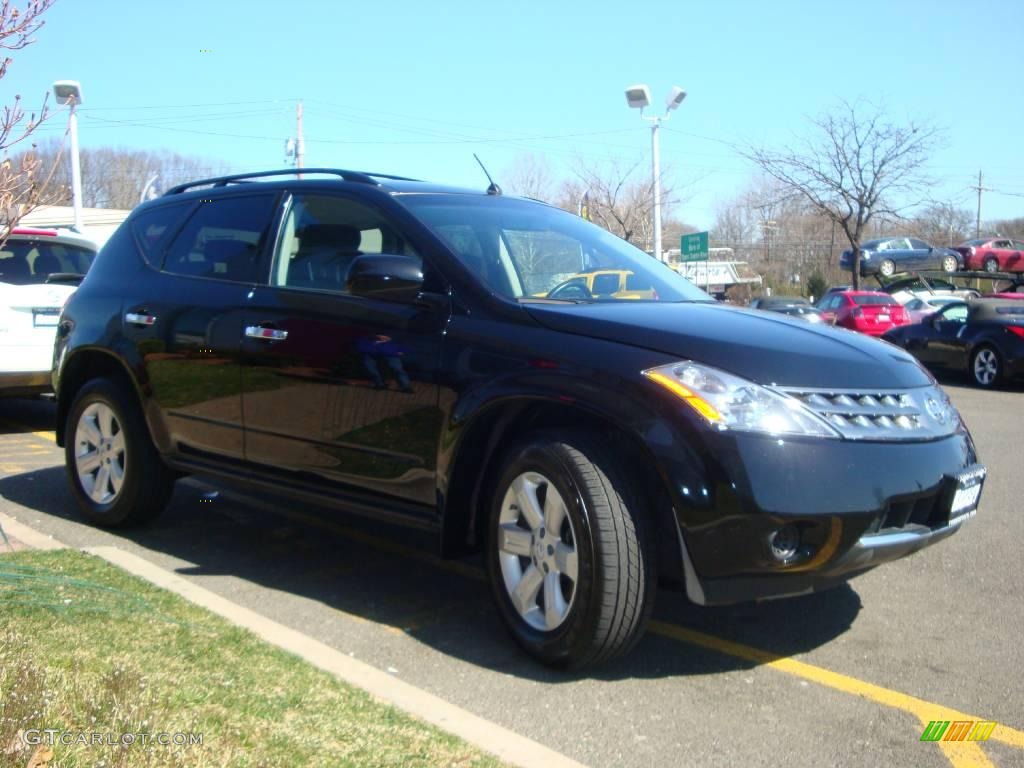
[
  {"x": 70, "y": 92},
  {"x": 639, "y": 97}
]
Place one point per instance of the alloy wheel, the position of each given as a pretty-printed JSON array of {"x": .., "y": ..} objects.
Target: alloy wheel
[
  {"x": 991, "y": 265},
  {"x": 887, "y": 268},
  {"x": 100, "y": 453},
  {"x": 986, "y": 367},
  {"x": 537, "y": 551},
  {"x": 949, "y": 264}
]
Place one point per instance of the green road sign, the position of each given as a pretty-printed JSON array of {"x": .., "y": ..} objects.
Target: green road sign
[{"x": 694, "y": 247}]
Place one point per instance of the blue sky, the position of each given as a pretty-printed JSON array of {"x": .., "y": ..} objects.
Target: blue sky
[{"x": 415, "y": 88}]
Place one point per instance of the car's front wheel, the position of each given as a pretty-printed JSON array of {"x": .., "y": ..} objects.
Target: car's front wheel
[
  {"x": 986, "y": 367},
  {"x": 991, "y": 264},
  {"x": 949, "y": 264},
  {"x": 569, "y": 557},
  {"x": 116, "y": 475}
]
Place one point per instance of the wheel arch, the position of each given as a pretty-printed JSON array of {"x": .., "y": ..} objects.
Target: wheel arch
[
  {"x": 81, "y": 367},
  {"x": 475, "y": 464}
]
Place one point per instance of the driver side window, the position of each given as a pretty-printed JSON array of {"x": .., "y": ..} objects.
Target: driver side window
[
  {"x": 322, "y": 235},
  {"x": 957, "y": 313}
]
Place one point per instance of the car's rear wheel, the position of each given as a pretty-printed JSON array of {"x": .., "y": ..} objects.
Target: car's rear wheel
[
  {"x": 569, "y": 556},
  {"x": 991, "y": 264},
  {"x": 986, "y": 366},
  {"x": 116, "y": 475},
  {"x": 887, "y": 268},
  {"x": 949, "y": 264}
]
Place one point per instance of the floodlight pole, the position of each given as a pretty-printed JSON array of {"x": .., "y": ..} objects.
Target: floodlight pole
[
  {"x": 656, "y": 172},
  {"x": 76, "y": 170}
]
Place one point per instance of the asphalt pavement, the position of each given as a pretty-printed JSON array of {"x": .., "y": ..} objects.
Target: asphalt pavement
[{"x": 846, "y": 677}]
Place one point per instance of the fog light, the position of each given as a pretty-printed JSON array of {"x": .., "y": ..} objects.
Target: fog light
[{"x": 784, "y": 542}]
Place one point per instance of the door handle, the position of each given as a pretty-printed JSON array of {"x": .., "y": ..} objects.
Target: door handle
[
  {"x": 139, "y": 318},
  {"x": 267, "y": 334}
]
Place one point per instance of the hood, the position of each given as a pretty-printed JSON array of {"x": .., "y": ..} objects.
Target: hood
[{"x": 767, "y": 348}]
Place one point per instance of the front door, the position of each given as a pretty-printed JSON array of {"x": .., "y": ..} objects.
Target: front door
[{"x": 340, "y": 390}]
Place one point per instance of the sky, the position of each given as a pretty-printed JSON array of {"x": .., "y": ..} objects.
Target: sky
[{"x": 415, "y": 88}]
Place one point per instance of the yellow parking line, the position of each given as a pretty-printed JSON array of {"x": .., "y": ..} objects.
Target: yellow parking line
[{"x": 961, "y": 754}]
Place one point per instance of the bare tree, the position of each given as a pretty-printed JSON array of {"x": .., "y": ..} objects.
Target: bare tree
[
  {"x": 853, "y": 166},
  {"x": 530, "y": 176},
  {"x": 618, "y": 200},
  {"x": 115, "y": 177},
  {"x": 23, "y": 182},
  {"x": 943, "y": 223}
]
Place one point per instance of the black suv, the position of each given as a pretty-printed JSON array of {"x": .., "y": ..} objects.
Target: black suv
[{"x": 457, "y": 360}]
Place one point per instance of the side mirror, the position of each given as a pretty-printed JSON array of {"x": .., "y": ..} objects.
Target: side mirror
[{"x": 387, "y": 277}]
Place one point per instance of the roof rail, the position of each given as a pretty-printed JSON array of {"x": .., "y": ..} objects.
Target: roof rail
[{"x": 362, "y": 177}]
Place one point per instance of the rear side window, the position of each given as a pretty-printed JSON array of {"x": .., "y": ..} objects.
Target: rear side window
[
  {"x": 604, "y": 284},
  {"x": 223, "y": 239},
  {"x": 151, "y": 227}
]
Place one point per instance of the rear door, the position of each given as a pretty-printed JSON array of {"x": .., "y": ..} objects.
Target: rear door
[
  {"x": 186, "y": 320},
  {"x": 921, "y": 255},
  {"x": 340, "y": 391}
]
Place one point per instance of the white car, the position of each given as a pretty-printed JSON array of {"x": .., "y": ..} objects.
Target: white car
[{"x": 39, "y": 270}]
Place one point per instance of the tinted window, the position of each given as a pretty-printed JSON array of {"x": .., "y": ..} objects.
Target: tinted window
[
  {"x": 321, "y": 237},
  {"x": 1018, "y": 246},
  {"x": 955, "y": 313},
  {"x": 223, "y": 239},
  {"x": 914, "y": 305},
  {"x": 919, "y": 245},
  {"x": 150, "y": 227},
  {"x": 1010, "y": 310},
  {"x": 24, "y": 262},
  {"x": 523, "y": 250},
  {"x": 606, "y": 283},
  {"x": 873, "y": 301}
]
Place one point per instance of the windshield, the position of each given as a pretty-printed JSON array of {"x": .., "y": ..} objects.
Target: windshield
[
  {"x": 26, "y": 262},
  {"x": 526, "y": 250}
]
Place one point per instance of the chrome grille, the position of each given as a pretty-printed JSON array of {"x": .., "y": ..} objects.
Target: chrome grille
[{"x": 912, "y": 414}]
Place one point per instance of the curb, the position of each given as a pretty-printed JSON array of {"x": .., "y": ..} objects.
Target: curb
[
  {"x": 28, "y": 536},
  {"x": 490, "y": 737}
]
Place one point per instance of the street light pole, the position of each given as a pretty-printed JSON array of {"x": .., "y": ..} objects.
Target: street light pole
[
  {"x": 656, "y": 171},
  {"x": 70, "y": 92},
  {"x": 638, "y": 97}
]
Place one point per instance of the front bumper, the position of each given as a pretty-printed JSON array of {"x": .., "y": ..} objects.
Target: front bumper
[{"x": 856, "y": 505}]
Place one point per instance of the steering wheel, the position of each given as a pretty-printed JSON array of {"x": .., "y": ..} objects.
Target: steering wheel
[{"x": 571, "y": 289}]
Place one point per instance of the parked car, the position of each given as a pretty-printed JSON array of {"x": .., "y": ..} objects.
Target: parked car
[
  {"x": 773, "y": 302},
  {"x": 919, "y": 309},
  {"x": 888, "y": 255},
  {"x": 906, "y": 289},
  {"x": 984, "y": 337},
  {"x": 603, "y": 284},
  {"x": 994, "y": 254},
  {"x": 39, "y": 270},
  {"x": 870, "y": 312},
  {"x": 803, "y": 312},
  {"x": 371, "y": 343}
]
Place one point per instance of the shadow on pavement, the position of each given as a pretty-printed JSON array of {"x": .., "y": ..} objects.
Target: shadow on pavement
[
  {"x": 25, "y": 414},
  {"x": 391, "y": 577}
]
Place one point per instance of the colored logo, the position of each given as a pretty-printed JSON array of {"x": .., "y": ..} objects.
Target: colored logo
[{"x": 958, "y": 730}]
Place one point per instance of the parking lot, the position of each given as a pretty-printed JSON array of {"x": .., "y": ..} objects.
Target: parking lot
[{"x": 847, "y": 677}]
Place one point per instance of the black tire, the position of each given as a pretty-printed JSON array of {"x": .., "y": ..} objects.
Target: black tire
[
  {"x": 991, "y": 264},
  {"x": 613, "y": 595},
  {"x": 146, "y": 483},
  {"x": 887, "y": 268},
  {"x": 985, "y": 378}
]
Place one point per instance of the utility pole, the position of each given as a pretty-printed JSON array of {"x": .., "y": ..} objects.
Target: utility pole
[
  {"x": 300, "y": 144},
  {"x": 977, "y": 220}
]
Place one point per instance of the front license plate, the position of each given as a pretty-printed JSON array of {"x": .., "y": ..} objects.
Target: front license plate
[{"x": 968, "y": 491}]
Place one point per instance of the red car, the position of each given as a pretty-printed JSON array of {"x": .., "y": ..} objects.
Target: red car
[
  {"x": 870, "y": 312},
  {"x": 996, "y": 254}
]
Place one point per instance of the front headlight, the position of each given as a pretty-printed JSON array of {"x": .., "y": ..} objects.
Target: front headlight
[{"x": 726, "y": 401}]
